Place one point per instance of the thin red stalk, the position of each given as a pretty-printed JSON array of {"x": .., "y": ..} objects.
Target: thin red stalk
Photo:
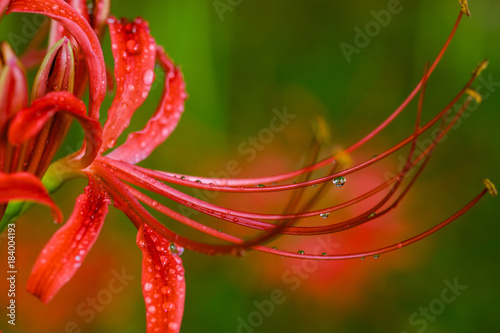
[
  {"x": 271, "y": 179},
  {"x": 134, "y": 177},
  {"x": 382, "y": 250},
  {"x": 229, "y": 185},
  {"x": 213, "y": 249}
]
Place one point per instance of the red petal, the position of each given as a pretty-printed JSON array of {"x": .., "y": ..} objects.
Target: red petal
[
  {"x": 3, "y": 5},
  {"x": 83, "y": 33},
  {"x": 140, "y": 144},
  {"x": 25, "y": 186},
  {"x": 57, "y": 31},
  {"x": 28, "y": 122},
  {"x": 13, "y": 97},
  {"x": 13, "y": 85},
  {"x": 134, "y": 54},
  {"x": 68, "y": 247},
  {"x": 100, "y": 15},
  {"x": 163, "y": 283}
]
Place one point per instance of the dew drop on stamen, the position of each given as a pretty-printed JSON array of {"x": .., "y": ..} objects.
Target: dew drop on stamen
[
  {"x": 376, "y": 256},
  {"x": 324, "y": 215},
  {"x": 148, "y": 286},
  {"x": 339, "y": 181},
  {"x": 301, "y": 252}
]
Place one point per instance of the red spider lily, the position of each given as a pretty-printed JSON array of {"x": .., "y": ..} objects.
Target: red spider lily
[{"x": 74, "y": 57}]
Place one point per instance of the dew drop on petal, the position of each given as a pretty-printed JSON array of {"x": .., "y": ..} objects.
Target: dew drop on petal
[
  {"x": 166, "y": 290},
  {"x": 339, "y": 181},
  {"x": 132, "y": 46},
  {"x": 148, "y": 77},
  {"x": 168, "y": 306},
  {"x": 173, "y": 326}
]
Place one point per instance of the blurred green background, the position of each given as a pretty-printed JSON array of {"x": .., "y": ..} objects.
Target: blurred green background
[{"x": 239, "y": 65}]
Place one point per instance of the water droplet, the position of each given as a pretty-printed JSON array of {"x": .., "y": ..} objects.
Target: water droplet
[
  {"x": 149, "y": 77},
  {"x": 339, "y": 181},
  {"x": 166, "y": 290},
  {"x": 55, "y": 7},
  {"x": 275, "y": 248},
  {"x": 111, "y": 143},
  {"x": 198, "y": 181},
  {"x": 324, "y": 254},
  {"x": 301, "y": 252},
  {"x": 167, "y": 306},
  {"x": 173, "y": 326},
  {"x": 132, "y": 46},
  {"x": 376, "y": 256},
  {"x": 174, "y": 249},
  {"x": 372, "y": 215},
  {"x": 155, "y": 203},
  {"x": 400, "y": 245},
  {"x": 183, "y": 177},
  {"x": 315, "y": 185},
  {"x": 362, "y": 258},
  {"x": 148, "y": 286},
  {"x": 261, "y": 185},
  {"x": 152, "y": 309},
  {"x": 324, "y": 215}
]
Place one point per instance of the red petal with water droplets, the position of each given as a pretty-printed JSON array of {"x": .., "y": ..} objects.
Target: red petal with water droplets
[
  {"x": 163, "y": 283},
  {"x": 140, "y": 144},
  {"x": 134, "y": 54},
  {"x": 57, "y": 31},
  {"x": 62, "y": 12},
  {"x": 68, "y": 247},
  {"x": 29, "y": 121},
  {"x": 25, "y": 186}
]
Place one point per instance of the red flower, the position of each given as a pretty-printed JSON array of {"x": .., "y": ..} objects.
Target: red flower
[{"x": 75, "y": 56}]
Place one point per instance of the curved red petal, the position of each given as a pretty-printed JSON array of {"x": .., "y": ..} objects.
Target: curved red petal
[
  {"x": 140, "y": 144},
  {"x": 134, "y": 54},
  {"x": 63, "y": 254},
  {"x": 29, "y": 121},
  {"x": 163, "y": 283},
  {"x": 57, "y": 31},
  {"x": 25, "y": 186},
  {"x": 79, "y": 27}
]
